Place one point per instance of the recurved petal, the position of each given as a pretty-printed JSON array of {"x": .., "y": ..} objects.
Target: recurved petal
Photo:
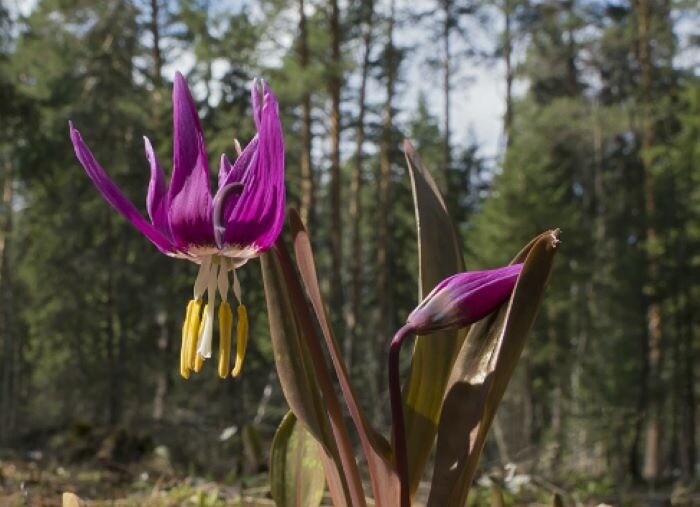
[
  {"x": 188, "y": 134},
  {"x": 224, "y": 169},
  {"x": 255, "y": 101},
  {"x": 189, "y": 196},
  {"x": 190, "y": 213},
  {"x": 255, "y": 217},
  {"x": 114, "y": 196},
  {"x": 156, "y": 199},
  {"x": 234, "y": 174}
]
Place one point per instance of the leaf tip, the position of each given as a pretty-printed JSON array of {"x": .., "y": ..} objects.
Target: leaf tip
[{"x": 554, "y": 240}]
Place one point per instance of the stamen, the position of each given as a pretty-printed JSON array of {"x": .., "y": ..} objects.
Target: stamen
[
  {"x": 198, "y": 362},
  {"x": 225, "y": 326},
  {"x": 184, "y": 349},
  {"x": 200, "y": 283},
  {"x": 237, "y": 147},
  {"x": 198, "y": 359},
  {"x": 205, "y": 338},
  {"x": 222, "y": 282},
  {"x": 241, "y": 339},
  {"x": 193, "y": 325},
  {"x": 237, "y": 288}
]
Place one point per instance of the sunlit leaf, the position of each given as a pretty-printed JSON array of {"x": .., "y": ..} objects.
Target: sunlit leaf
[
  {"x": 71, "y": 500},
  {"x": 296, "y": 470},
  {"x": 377, "y": 451},
  {"x": 482, "y": 371},
  {"x": 439, "y": 255}
]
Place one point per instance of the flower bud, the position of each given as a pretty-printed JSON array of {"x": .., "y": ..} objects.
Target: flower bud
[{"x": 464, "y": 298}]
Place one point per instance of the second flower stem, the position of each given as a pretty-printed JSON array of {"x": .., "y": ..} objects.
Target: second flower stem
[{"x": 398, "y": 425}]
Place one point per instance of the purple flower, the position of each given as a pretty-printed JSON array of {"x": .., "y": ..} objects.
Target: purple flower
[
  {"x": 220, "y": 233},
  {"x": 463, "y": 299},
  {"x": 455, "y": 302}
]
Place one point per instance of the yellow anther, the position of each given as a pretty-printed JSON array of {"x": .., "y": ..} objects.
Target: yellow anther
[
  {"x": 198, "y": 362},
  {"x": 193, "y": 324},
  {"x": 198, "y": 358},
  {"x": 225, "y": 327},
  {"x": 241, "y": 339},
  {"x": 184, "y": 349}
]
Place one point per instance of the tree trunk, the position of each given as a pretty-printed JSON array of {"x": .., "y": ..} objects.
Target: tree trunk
[
  {"x": 162, "y": 376},
  {"x": 386, "y": 303},
  {"x": 356, "y": 258},
  {"x": 6, "y": 223},
  {"x": 510, "y": 73},
  {"x": 446, "y": 75},
  {"x": 653, "y": 437},
  {"x": 688, "y": 403},
  {"x": 114, "y": 334},
  {"x": 8, "y": 344},
  {"x": 336, "y": 233},
  {"x": 686, "y": 363},
  {"x": 156, "y": 51},
  {"x": 307, "y": 203}
]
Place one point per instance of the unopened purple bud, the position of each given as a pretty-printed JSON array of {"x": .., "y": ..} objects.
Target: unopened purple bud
[{"x": 464, "y": 298}]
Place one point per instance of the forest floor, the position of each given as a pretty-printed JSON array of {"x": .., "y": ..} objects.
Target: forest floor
[{"x": 31, "y": 483}]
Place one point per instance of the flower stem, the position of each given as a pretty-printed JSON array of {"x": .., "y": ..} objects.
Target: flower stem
[{"x": 398, "y": 426}]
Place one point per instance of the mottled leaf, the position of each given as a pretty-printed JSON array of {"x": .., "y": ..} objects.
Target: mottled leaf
[
  {"x": 385, "y": 485},
  {"x": 439, "y": 256},
  {"x": 296, "y": 470},
  {"x": 482, "y": 371}
]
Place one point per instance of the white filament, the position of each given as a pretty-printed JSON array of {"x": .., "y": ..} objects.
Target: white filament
[
  {"x": 222, "y": 281},
  {"x": 201, "y": 282},
  {"x": 237, "y": 288},
  {"x": 205, "y": 338}
]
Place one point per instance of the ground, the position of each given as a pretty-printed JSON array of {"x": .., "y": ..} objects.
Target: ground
[{"x": 33, "y": 482}]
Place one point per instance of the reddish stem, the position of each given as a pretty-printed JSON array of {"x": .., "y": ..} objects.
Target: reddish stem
[{"x": 398, "y": 425}]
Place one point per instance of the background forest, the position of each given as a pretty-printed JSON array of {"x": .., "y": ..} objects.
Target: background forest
[{"x": 600, "y": 137}]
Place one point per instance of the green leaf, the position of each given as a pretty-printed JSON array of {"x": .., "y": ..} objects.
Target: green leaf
[
  {"x": 297, "y": 377},
  {"x": 439, "y": 256},
  {"x": 482, "y": 371},
  {"x": 383, "y": 476},
  {"x": 252, "y": 448},
  {"x": 304, "y": 376},
  {"x": 296, "y": 469},
  {"x": 557, "y": 500}
]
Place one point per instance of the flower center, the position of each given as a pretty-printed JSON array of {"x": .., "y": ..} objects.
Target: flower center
[{"x": 198, "y": 328}]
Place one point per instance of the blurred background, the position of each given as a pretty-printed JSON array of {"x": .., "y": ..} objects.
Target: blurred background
[{"x": 532, "y": 114}]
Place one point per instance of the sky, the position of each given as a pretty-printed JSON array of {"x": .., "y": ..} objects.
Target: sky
[{"x": 477, "y": 104}]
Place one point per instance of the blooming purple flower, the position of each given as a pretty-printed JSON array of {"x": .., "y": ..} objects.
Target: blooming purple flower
[
  {"x": 220, "y": 233},
  {"x": 463, "y": 299}
]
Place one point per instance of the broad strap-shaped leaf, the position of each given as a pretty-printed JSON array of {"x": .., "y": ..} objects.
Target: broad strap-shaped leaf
[
  {"x": 304, "y": 376},
  {"x": 439, "y": 256},
  {"x": 296, "y": 469},
  {"x": 382, "y": 471},
  {"x": 482, "y": 371}
]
